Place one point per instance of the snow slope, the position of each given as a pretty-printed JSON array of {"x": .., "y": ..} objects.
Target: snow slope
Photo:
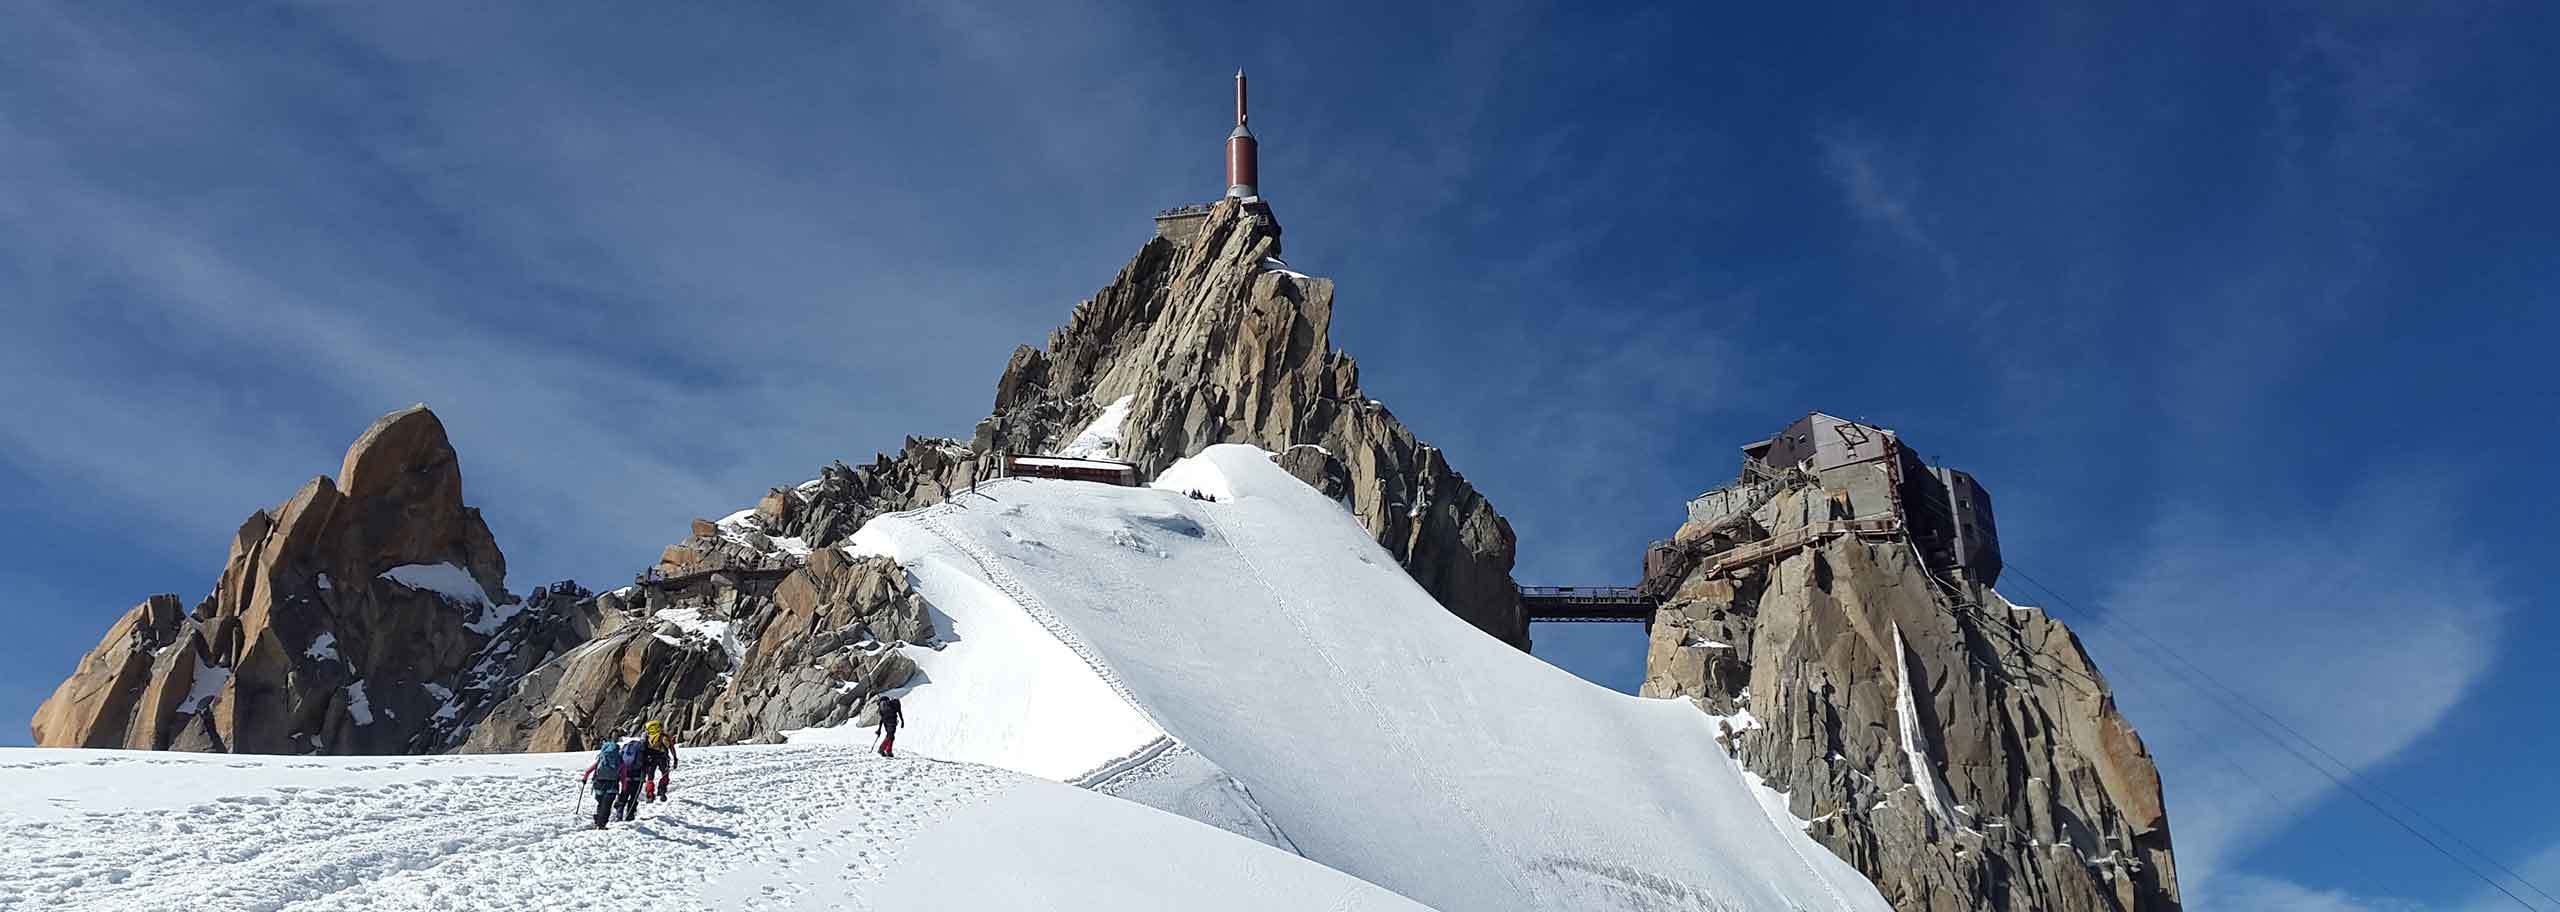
[
  {"x": 783, "y": 827},
  {"x": 1268, "y": 637},
  {"x": 1255, "y": 663},
  {"x": 1014, "y": 688}
]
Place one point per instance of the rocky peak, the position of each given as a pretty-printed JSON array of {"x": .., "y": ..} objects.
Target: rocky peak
[
  {"x": 1217, "y": 341},
  {"x": 1204, "y": 341},
  {"x": 343, "y": 621},
  {"x": 1961, "y": 750}
]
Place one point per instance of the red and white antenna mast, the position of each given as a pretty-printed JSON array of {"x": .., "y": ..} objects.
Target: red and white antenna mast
[{"x": 1241, "y": 166}]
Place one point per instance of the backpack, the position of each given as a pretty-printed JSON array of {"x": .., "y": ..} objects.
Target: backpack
[
  {"x": 631, "y": 754},
  {"x": 658, "y": 742},
  {"x": 609, "y": 762}
]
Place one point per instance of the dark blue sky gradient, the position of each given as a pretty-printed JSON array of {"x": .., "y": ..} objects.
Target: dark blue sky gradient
[{"x": 2241, "y": 311}]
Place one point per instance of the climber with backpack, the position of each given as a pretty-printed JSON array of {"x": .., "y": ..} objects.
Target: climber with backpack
[
  {"x": 658, "y": 755},
  {"x": 635, "y": 769},
  {"x": 890, "y": 715},
  {"x": 605, "y": 776}
]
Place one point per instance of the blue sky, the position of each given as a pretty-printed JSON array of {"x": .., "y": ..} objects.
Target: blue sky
[{"x": 2241, "y": 311}]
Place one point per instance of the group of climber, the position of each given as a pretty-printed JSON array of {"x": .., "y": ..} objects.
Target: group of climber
[{"x": 621, "y": 775}]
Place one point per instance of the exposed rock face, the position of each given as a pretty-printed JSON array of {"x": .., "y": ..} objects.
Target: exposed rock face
[
  {"x": 343, "y": 623},
  {"x": 728, "y": 657},
  {"x": 1963, "y": 752},
  {"x": 1195, "y": 343},
  {"x": 789, "y": 522},
  {"x": 1210, "y": 342}
]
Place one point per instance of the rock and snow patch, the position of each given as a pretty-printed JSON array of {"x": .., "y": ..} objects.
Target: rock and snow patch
[
  {"x": 1100, "y": 438},
  {"x": 456, "y": 587},
  {"x": 1915, "y": 749},
  {"x": 747, "y": 530},
  {"x": 447, "y": 709},
  {"x": 493, "y": 617},
  {"x": 208, "y": 684},
  {"x": 1741, "y": 720},
  {"x": 453, "y": 583},
  {"x": 359, "y": 707},
  {"x": 691, "y": 623},
  {"x": 323, "y": 647}
]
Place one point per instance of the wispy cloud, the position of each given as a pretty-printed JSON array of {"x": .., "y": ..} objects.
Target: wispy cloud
[
  {"x": 2276, "y": 894},
  {"x": 227, "y": 262},
  {"x": 2304, "y": 614},
  {"x": 1881, "y": 192},
  {"x": 2268, "y": 894}
]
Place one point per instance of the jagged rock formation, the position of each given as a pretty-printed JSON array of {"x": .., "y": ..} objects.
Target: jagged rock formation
[
  {"x": 1193, "y": 344},
  {"x": 821, "y": 513},
  {"x": 1963, "y": 752},
  {"x": 374, "y": 620},
  {"x": 1197, "y": 343},
  {"x": 343, "y": 623},
  {"x": 1212, "y": 341},
  {"x": 730, "y": 656}
]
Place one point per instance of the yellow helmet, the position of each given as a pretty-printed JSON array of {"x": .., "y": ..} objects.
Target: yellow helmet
[{"x": 653, "y": 726}]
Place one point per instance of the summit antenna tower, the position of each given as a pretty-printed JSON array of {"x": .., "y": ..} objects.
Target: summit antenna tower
[{"x": 1241, "y": 165}]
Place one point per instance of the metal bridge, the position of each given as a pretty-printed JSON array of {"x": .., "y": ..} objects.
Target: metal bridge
[
  {"x": 1586, "y": 604},
  {"x": 691, "y": 575}
]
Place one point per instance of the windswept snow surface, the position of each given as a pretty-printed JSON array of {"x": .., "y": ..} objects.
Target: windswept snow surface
[
  {"x": 1270, "y": 636},
  {"x": 1001, "y": 690},
  {"x": 1100, "y": 439},
  {"x": 756, "y": 828}
]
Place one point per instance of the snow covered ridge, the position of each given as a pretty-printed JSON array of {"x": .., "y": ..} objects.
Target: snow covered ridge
[
  {"x": 1255, "y": 663},
  {"x": 1268, "y": 646},
  {"x": 756, "y": 828}
]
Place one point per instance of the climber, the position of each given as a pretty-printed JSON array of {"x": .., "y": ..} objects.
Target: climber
[
  {"x": 605, "y": 776},
  {"x": 658, "y": 755},
  {"x": 635, "y": 769},
  {"x": 890, "y": 715}
]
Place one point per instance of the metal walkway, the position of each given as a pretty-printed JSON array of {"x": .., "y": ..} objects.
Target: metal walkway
[
  {"x": 1586, "y": 604},
  {"x": 654, "y": 580}
]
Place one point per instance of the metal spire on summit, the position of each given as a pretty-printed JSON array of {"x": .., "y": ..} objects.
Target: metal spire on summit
[{"x": 1241, "y": 165}]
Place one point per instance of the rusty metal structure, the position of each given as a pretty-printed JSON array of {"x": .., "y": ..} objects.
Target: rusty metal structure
[
  {"x": 1243, "y": 171},
  {"x": 1872, "y": 484}
]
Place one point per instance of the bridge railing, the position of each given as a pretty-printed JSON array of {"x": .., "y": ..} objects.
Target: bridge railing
[{"x": 1609, "y": 593}]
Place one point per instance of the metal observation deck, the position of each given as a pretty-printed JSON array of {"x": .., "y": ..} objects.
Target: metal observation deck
[{"x": 1587, "y": 604}]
